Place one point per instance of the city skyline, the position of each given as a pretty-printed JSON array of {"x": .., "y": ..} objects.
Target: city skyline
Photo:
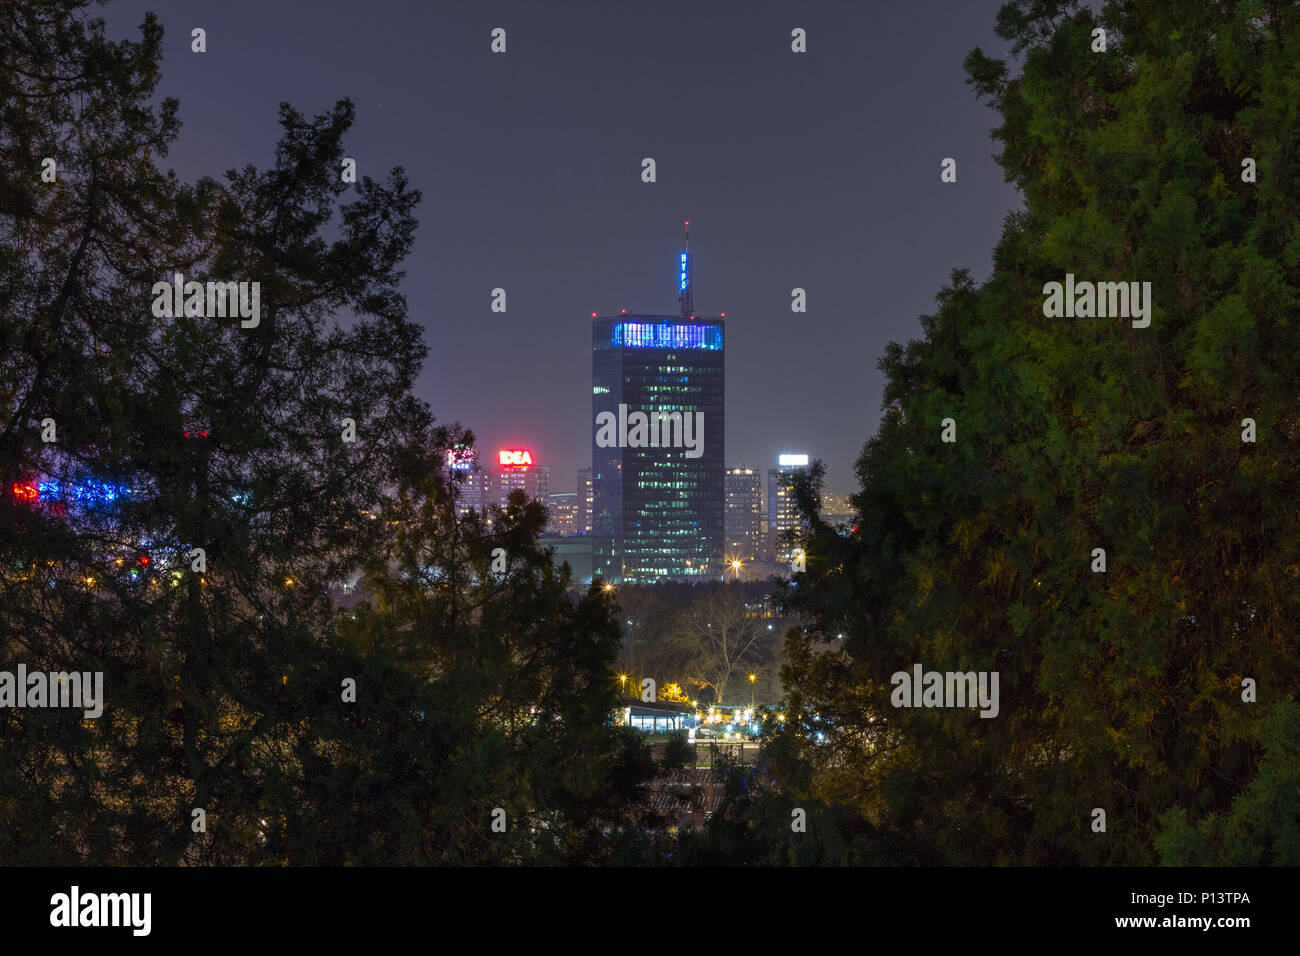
[
  {"x": 535, "y": 188},
  {"x": 270, "y": 605}
]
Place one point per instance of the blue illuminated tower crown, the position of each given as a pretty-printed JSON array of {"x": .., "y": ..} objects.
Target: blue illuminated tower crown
[{"x": 685, "y": 292}]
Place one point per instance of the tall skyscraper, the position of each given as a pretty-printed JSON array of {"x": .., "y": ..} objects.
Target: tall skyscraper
[
  {"x": 782, "y": 514},
  {"x": 744, "y": 516},
  {"x": 586, "y": 499},
  {"x": 657, "y": 443}
]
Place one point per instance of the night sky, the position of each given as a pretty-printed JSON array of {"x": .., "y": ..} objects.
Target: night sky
[{"x": 818, "y": 170}]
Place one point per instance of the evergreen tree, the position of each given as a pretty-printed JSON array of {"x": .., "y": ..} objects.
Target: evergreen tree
[
  {"x": 519, "y": 678},
  {"x": 1120, "y": 689},
  {"x": 213, "y": 478}
]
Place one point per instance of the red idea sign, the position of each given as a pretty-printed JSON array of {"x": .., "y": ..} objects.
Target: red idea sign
[{"x": 513, "y": 457}]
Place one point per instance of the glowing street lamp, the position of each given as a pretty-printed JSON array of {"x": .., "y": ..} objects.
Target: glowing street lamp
[{"x": 752, "y": 679}]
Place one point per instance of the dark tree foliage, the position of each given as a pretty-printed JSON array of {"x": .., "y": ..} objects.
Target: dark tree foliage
[
  {"x": 225, "y": 672},
  {"x": 1120, "y": 690},
  {"x": 519, "y": 682}
]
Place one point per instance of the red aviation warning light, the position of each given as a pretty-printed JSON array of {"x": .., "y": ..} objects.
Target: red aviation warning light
[{"x": 515, "y": 457}]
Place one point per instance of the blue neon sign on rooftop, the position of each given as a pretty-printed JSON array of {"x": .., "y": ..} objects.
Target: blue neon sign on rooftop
[{"x": 666, "y": 335}]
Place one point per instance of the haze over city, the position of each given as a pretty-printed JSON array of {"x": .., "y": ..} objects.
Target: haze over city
[
  {"x": 409, "y": 461},
  {"x": 794, "y": 171}
]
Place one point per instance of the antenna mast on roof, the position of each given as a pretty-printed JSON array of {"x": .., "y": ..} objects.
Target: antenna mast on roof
[{"x": 685, "y": 293}]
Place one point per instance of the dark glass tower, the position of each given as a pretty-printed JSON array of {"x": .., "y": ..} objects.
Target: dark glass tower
[
  {"x": 658, "y": 511},
  {"x": 659, "y": 492}
]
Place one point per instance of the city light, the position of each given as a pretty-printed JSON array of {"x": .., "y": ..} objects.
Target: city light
[
  {"x": 666, "y": 335},
  {"x": 461, "y": 459},
  {"x": 86, "y": 492},
  {"x": 514, "y": 457},
  {"x": 793, "y": 461}
]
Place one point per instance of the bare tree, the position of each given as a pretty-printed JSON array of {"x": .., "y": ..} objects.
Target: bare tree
[{"x": 717, "y": 636}]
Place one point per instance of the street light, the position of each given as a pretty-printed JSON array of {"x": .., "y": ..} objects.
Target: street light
[
  {"x": 752, "y": 678},
  {"x": 631, "y": 644}
]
